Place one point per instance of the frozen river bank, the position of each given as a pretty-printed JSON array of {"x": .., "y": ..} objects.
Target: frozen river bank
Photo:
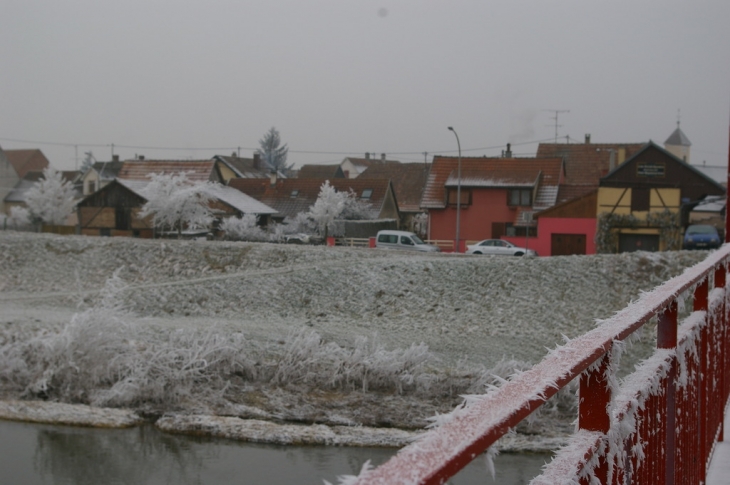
[{"x": 293, "y": 335}]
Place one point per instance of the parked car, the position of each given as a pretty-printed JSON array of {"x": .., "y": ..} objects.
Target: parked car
[
  {"x": 403, "y": 240},
  {"x": 701, "y": 236},
  {"x": 498, "y": 247}
]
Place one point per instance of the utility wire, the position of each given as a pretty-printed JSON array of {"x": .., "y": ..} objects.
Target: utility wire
[{"x": 235, "y": 148}]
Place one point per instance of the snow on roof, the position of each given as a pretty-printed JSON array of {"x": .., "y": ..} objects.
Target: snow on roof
[
  {"x": 713, "y": 203},
  {"x": 234, "y": 198},
  {"x": 239, "y": 201}
]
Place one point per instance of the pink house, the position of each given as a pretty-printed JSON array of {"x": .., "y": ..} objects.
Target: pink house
[{"x": 499, "y": 196}]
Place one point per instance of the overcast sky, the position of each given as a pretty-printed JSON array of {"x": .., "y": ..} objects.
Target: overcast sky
[{"x": 341, "y": 78}]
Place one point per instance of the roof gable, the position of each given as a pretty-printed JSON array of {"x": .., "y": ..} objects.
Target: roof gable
[
  {"x": 408, "y": 179},
  {"x": 654, "y": 166},
  {"x": 24, "y": 161}
]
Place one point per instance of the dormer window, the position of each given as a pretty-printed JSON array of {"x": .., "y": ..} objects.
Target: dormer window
[
  {"x": 520, "y": 197},
  {"x": 294, "y": 194},
  {"x": 366, "y": 194}
]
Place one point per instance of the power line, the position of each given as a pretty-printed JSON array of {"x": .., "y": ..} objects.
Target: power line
[{"x": 238, "y": 148}]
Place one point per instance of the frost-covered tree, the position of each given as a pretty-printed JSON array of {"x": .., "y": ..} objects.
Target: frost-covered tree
[
  {"x": 328, "y": 207},
  {"x": 51, "y": 199},
  {"x": 176, "y": 202},
  {"x": 356, "y": 209},
  {"x": 273, "y": 153}
]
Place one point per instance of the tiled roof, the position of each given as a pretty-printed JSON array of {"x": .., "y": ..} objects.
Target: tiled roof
[
  {"x": 408, "y": 179},
  {"x": 291, "y": 196},
  {"x": 234, "y": 198},
  {"x": 488, "y": 173},
  {"x": 24, "y": 161},
  {"x": 323, "y": 172},
  {"x": 585, "y": 163},
  {"x": 247, "y": 167},
  {"x": 142, "y": 169}
]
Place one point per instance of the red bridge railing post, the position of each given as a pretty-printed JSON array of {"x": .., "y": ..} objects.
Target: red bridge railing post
[
  {"x": 593, "y": 410},
  {"x": 667, "y": 339}
]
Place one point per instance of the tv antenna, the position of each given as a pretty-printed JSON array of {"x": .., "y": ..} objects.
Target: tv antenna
[{"x": 557, "y": 113}]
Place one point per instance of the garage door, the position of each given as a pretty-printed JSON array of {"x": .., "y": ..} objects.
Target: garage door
[
  {"x": 566, "y": 244},
  {"x": 628, "y": 243}
]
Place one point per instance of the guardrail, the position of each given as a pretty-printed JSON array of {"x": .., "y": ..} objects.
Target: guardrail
[{"x": 658, "y": 426}]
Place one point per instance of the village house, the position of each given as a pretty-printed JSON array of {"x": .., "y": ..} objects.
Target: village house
[
  {"x": 498, "y": 196},
  {"x": 113, "y": 210},
  {"x": 290, "y": 197},
  {"x": 99, "y": 175},
  {"x": 15, "y": 165},
  {"x": 640, "y": 202},
  {"x": 409, "y": 181}
]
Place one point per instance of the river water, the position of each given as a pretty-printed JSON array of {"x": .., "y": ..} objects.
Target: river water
[{"x": 32, "y": 454}]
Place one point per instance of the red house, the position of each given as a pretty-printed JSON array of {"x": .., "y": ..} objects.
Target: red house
[{"x": 498, "y": 196}]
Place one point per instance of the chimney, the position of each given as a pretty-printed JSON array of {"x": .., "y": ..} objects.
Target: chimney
[
  {"x": 115, "y": 158},
  {"x": 508, "y": 152},
  {"x": 367, "y": 155},
  {"x": 141, "y": 157},
  {"x": 233, "y": 155},
  {"x": 588, "y": 138},
  {"x": 272, "y": 178},
  {"x": 382, "y": 157},
  {"x": 256, "y": 161}
]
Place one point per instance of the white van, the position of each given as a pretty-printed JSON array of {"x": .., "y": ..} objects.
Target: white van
[{"x": 403, "y": 240}]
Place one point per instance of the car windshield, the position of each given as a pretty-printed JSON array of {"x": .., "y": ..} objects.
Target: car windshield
[
  {"x": 701, "y": 230},
  {"x": 417, "y": 240}
]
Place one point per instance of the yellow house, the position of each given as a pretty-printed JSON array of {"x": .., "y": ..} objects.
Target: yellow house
[{"x": 640, "y": 203}]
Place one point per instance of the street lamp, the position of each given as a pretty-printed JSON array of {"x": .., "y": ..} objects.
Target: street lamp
[{"x": 458, "y": 192}]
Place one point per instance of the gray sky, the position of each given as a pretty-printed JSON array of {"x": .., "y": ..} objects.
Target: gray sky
[{"x": 349, "y": 77}]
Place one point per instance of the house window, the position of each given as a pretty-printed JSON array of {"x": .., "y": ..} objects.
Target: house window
[
  {"x": 465, "y": 196},
  {"x": 640, "y": 199},
  {"x": 91, "y": 187},
  {"x": 366, "y": 194},
  {"x": 519, "y": 197},
  {"x": 294, "y": 194}
]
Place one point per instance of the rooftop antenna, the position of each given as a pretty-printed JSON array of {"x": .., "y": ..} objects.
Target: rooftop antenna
[
  {"x": 679, "y": 116},
  {"x": 557, "y": 113}
]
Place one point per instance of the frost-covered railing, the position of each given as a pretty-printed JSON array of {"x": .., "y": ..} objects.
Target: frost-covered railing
[{"x": 658, "y": 425}]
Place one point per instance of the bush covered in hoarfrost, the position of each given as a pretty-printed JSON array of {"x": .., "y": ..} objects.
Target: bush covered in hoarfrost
[{"x": 103, "y": 359}]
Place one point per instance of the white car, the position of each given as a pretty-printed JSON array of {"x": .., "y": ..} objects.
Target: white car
[{"x": 499, "y": 247}]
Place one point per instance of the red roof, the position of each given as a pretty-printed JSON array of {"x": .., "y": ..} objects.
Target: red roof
[
  {"x": 408, "y": 179},
  {"x": 489, "y": 173},
  {"x": 141, "y": 169},
  {"x": 292, "y": 196},
  {"x": 24, "y": 161},
  {"x": 586, "y": 163}
]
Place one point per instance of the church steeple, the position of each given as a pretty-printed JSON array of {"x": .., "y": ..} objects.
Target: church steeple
[{"x": 678, "y": 144}]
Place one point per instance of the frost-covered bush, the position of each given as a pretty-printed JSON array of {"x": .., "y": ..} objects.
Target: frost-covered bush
[
  {"x": 101, "y": 359},
  {"x": 19, "y": 219},
  {"x": 244, "y": 228}
]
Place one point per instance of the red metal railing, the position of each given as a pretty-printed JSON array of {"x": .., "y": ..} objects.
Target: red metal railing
[{"x": 658, "y": 426}]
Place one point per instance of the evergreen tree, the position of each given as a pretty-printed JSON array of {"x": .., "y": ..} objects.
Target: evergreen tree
[{"x": 273, "y": 153}]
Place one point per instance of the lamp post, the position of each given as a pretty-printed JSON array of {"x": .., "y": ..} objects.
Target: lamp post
[{"x": 458, "y": 193}]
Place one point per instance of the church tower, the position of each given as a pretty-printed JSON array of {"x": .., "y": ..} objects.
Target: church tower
[{"x": 678, "y": 144}]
